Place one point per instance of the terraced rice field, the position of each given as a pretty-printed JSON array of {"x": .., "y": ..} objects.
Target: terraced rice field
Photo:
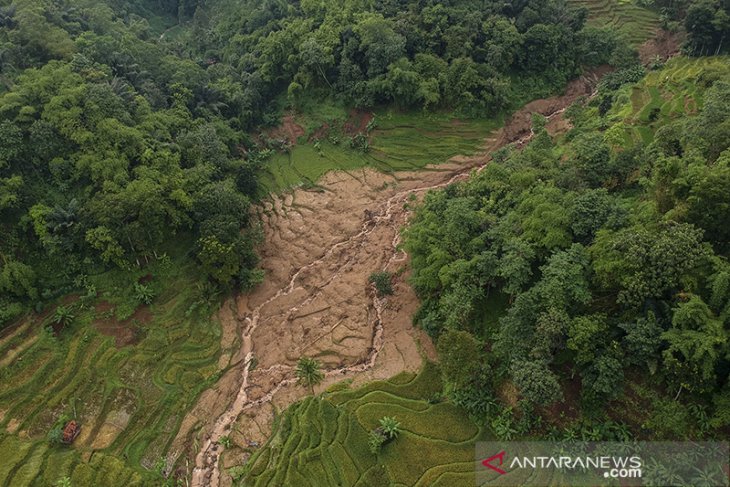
[
  {"x": 637, "y": 23},
  {"x": 400, "y": 142},
  {"x": 127, "y": 375},
  {"x": 324, "y": 439},
  {"x": 664, "y": 95}
]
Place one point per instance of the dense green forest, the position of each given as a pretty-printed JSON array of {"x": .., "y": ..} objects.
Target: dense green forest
[
  {"x": 605, "y": 253},
  {"x": 124, "y": 124},
  {"x": 575, "y": 287},
  {"x": 117, "y": 140}
]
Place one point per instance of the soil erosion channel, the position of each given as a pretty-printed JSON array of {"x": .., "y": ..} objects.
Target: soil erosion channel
[{"x": 320, "y": 248}]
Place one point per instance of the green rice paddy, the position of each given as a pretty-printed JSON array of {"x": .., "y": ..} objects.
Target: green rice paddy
[
  {"x": 323, "y": 440},
  {"x": 664, "y": 95},
  {"x": 626, "y": 16},
  {"x": 399, "y": 142},
  {"x": 128, "y": 397}
]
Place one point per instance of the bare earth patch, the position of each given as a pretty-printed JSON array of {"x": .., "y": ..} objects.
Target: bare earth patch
[
  {"x": 664, "y": 45},
  {"x": 125, "y": 332},
  {"x": 357, "y": 121},
  {"x": 12, "y": 426},
  {"x": 321, "y": 247},
  {"x": 288, "y": 131}
]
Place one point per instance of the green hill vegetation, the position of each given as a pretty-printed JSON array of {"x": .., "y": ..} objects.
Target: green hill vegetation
[
  {"x": 136, "y": 135},
  {"x": 611, "y": 248},
  {"x": 661, "y": 97},
  {"x": 119, "y": 136},
  {"x": 130, "y": 154}
]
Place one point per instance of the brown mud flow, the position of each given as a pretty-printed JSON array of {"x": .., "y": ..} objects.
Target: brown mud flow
[{"x": 321, "y": 247}]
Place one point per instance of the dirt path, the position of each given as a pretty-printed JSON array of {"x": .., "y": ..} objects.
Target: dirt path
[{"x": 320, "y": 248}]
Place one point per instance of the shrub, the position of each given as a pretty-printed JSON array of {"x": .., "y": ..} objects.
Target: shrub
[
  {"x": 613, "y": 81},
  {"x": 9, "y": 311},
  {"x": 504, "y": 425},
  {"x": 63, "y": 316},
  {"x": 360, "y": 142},
  {"x": 536, "y": 382},
  {"x": 669, "y": 419},
  {"x": 55, "y": 435},
  {"x": 376, "y": 439},
  {"x": 143, "y": 293},
  {"x": 654, "y": 114},
  {"x": 383, "y": 283},
  {"x": 479, "y": 402}
]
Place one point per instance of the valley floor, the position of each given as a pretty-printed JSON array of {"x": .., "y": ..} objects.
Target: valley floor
[{"x": 321, "y": 245}]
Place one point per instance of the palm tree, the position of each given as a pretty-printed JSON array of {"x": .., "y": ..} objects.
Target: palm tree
[
  {"x": 390, "y": 426},
  {"x": 63, "y": 316},
  {"x": 63, "y": 482},
  {"x": 143, "y": 293},
  {"x": 707, "y": 476},
  {"x": 309, "y": 372}
]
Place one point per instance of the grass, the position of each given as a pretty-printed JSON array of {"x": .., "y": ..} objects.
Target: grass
[
  {"x": 323, "y": 440},
  {"x": 399, "y": 142},
  {"x": 419, "y": 139},
  {"x": 85, "y": 374},
  {"x": 664, "y": 95},
  {"x": 638, "y": 24},
  {"x": 304, "y": 165}
]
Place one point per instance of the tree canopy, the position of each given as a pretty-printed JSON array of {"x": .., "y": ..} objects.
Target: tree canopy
[{"x": 611, "y": 259}]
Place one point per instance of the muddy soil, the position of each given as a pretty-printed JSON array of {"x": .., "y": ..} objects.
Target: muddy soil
[
  {"x": 321, "y": 247},
  {"x": 357, "y": 122},
  {"x": 663, "y": 46},
  {"x": 127, "y": 332},
  {"x": 289, "y": 131}
]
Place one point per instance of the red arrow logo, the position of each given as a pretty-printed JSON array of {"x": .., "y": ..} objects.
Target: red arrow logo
[{"x": 488, "y": 462}]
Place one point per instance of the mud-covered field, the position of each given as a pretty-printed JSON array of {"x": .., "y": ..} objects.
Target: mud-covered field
[{"x": 322, "y": 244}]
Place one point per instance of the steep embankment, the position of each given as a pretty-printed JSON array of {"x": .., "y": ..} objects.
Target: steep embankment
[{"x": 321, "y": 246}]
